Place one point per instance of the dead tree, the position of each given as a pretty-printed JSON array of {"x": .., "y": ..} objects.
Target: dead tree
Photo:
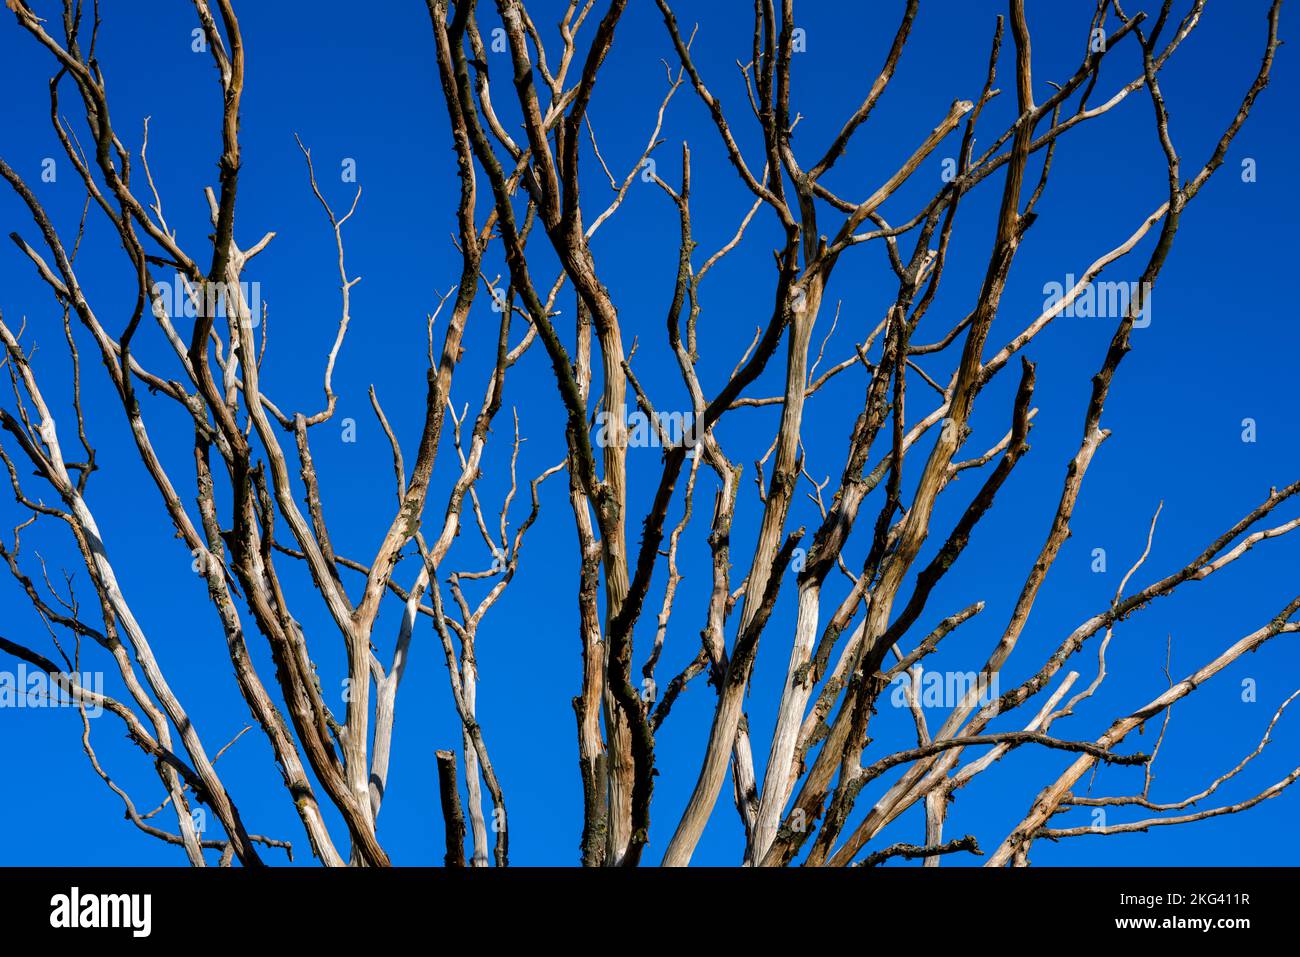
[{"x": 858, "y": 599}]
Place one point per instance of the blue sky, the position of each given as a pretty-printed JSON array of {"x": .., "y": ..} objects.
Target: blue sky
[{"x": 360, "y": 83}]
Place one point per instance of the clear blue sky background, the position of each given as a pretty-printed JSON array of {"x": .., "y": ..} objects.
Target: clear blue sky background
[{"x": 359, "y": 81}]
